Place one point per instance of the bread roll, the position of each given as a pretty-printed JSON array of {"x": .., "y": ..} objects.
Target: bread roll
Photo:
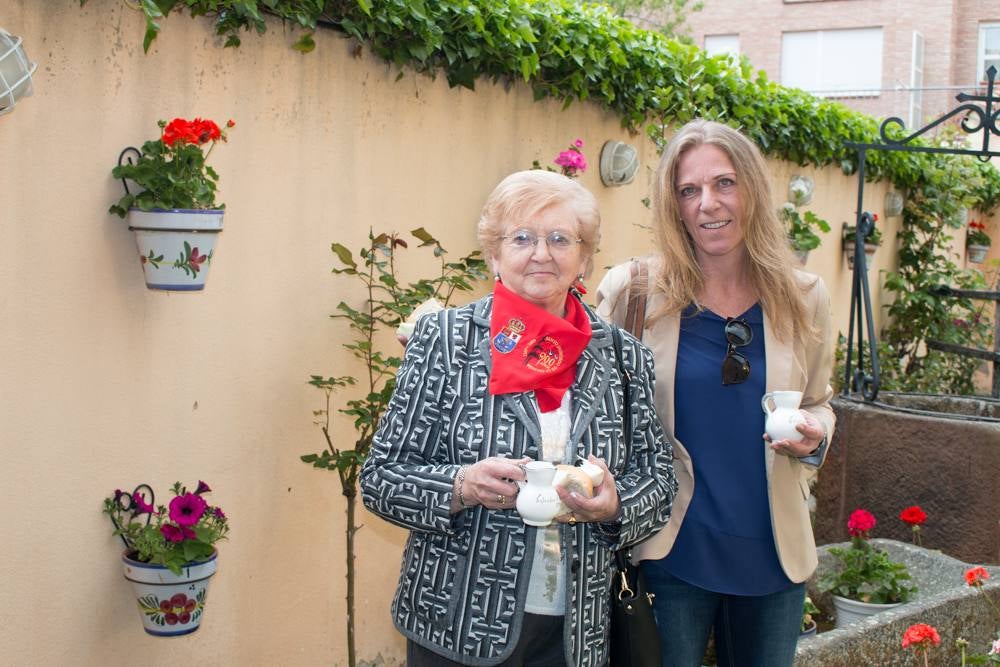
[{"x": 573, "y": 478}]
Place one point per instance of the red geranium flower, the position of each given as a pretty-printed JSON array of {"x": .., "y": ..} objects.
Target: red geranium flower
[
  {"x": 180, "y": 130},
  {"x": 921, "y": 636},
  {"x": 860, "y": 522},
  {"x": 975, "y": 576},
  {"x": 913, "y": 515}
]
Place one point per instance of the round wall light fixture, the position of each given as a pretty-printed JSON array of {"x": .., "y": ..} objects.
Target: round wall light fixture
[
  {"x": 15, "y": 72},
  {"x": 619, "y": 163},
  {"x": 893, "y": 203}
]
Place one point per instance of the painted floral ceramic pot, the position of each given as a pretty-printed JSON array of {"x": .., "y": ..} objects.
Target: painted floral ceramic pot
[{"x": 170, "y": 604}]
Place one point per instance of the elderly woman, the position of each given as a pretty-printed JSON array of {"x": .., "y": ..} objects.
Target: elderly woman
[
  {"x": 526, "y": 373},
  {"x": 730, "y": 319}
]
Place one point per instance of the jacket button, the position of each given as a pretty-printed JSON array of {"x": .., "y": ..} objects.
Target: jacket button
[{"x": 575, "y": 567}]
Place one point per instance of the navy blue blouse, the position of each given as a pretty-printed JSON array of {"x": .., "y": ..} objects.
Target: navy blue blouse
[{"x": 725, "y": 543}]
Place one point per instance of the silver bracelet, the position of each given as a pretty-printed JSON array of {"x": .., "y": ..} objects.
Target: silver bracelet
[{"x": 461, "y": 480}]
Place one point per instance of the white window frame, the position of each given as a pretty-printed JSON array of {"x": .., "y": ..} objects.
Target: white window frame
[
  {"x": 981, "y": 51},
  {"x": 916, "y": 82},
  {"x": 820, "y": 53},
  {"x": 729, "y": 38}
]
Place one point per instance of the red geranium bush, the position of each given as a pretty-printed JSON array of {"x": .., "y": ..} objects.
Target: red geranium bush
[
  {"x": 866, "y": 573},
  {"x": 171, "y": 171}
]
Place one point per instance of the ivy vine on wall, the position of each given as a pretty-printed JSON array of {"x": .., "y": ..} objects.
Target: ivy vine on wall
[{"x": 581, "y": 52}]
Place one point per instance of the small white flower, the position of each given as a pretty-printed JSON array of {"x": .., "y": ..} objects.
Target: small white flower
[{"x": 788, "y": 206}]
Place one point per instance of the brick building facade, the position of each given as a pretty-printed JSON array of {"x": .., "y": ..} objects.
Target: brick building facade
[{"x": 864, "y": 53}]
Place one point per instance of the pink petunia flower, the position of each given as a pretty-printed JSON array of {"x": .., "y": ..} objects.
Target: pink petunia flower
[
  {"x": 202, "y": 488},
  {"x": 187, "y": 509},
  {"x": 141, "y": 506},
  {"x": 172, "y": 533}
]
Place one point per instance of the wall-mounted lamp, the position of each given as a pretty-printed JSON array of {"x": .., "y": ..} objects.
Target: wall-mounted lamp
[
  {"x": 800, "y": 190},
  {"x": 15, "y": 72},
  {"x": 893, "y": 203},
  {"x": 619, "y": 163}
]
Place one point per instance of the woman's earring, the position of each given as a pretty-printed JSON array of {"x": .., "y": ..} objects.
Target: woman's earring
[
  {"x": 578, "y": 285},
  {"x": 496, "y": 277}
]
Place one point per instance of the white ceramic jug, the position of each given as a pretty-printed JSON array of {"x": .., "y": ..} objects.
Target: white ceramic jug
[
  {"x": 782, "y": 420},
  {"x": 537, "y": 501}
]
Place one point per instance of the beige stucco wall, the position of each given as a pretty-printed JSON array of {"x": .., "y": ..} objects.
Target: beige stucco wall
[{"x": 106, "y": 384}]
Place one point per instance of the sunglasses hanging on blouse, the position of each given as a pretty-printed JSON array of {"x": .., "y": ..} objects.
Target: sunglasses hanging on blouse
[{"x": 735, "y": 366}]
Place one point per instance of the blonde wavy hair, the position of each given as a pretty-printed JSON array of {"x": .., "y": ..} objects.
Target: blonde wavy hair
[{"x": 680, "y": 278}]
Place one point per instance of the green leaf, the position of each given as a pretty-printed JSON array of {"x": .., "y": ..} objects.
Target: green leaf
[{"x": 344, "y": 255}]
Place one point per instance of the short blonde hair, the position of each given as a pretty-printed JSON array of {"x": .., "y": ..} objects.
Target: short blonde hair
[
  {"x": 769, "y": 255},
  {"x": 523, "y": 195}
]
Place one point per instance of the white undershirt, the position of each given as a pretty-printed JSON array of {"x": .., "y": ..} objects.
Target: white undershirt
[{"x": 547, "y": 582}]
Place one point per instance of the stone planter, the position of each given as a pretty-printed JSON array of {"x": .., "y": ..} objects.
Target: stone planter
[{"x": 943, "y": 600}]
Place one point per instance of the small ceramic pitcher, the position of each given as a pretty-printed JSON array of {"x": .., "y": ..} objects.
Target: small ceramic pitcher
[
  {"x": 784, "y": 417},
  {"x": 537, "y": 501}
]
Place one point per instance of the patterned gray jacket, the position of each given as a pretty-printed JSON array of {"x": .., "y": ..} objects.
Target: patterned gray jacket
[{"x": 464, "y": 577}]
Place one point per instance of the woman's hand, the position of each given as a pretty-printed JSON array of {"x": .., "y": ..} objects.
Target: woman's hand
[
  {"x": 490, "y": 483},
  {"x": 602, "y": 507},
  {"x": 812, "y": 432}
]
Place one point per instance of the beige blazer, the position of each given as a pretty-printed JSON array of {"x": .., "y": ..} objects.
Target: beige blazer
[{"x": 801, "y": 364}]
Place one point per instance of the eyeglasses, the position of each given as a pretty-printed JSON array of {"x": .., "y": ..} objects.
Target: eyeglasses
[
  {"x": 556, "y": 241},
  {"x": 736, "y": 367}
]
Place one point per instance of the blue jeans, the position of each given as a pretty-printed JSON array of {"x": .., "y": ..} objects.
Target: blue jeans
[{"x": 750, "y": 631}]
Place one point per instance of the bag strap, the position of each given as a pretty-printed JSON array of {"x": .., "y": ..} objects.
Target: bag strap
[
  {"x": 635, "y": 312},
  {"x": 616, "y": 339}
]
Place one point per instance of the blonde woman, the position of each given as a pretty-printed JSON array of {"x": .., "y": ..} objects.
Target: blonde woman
[{"x": 729, "y": 319}]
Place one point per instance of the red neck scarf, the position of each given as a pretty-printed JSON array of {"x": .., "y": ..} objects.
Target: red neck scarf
[{"x": 533, "y": 349}]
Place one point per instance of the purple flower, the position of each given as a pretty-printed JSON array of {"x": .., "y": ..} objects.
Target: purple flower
[
  {"x": 172, "y": 533},
  {"x": 202, "y": 488},
  {"x": 141, "y": 506},
  {"x": 219, "y": 514},
  {"x": 187, "y": 509}
]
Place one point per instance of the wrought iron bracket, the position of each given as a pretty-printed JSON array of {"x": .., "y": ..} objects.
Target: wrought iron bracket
[{"x": 979, "y": 113}]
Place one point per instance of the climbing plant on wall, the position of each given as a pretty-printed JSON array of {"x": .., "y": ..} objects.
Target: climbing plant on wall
[{"x": 577, "y": 52}]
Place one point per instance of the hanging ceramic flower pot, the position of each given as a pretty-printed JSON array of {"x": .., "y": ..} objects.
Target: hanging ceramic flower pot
[
  {"x": 870, "y": 249},
  {"x": 170, "y": 604},
  {"x": 977, "y": 253},
  {"x": 173, "y": 212},
  {"x": 851, "y": 611},
  {"x": 175, "y": 246}
]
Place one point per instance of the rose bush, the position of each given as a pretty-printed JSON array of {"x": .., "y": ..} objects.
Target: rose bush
[
  {"x": 172, "y": 172},
  {"x": 185, "y": 531}
]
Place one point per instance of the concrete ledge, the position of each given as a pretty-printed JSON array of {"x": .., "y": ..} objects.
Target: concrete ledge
[{"x": 943, "y": 600}]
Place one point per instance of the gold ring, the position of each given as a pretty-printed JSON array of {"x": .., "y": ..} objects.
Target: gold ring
[
  {"x": 502, "y": 499},
  {"x": 572, "y": 519}
]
